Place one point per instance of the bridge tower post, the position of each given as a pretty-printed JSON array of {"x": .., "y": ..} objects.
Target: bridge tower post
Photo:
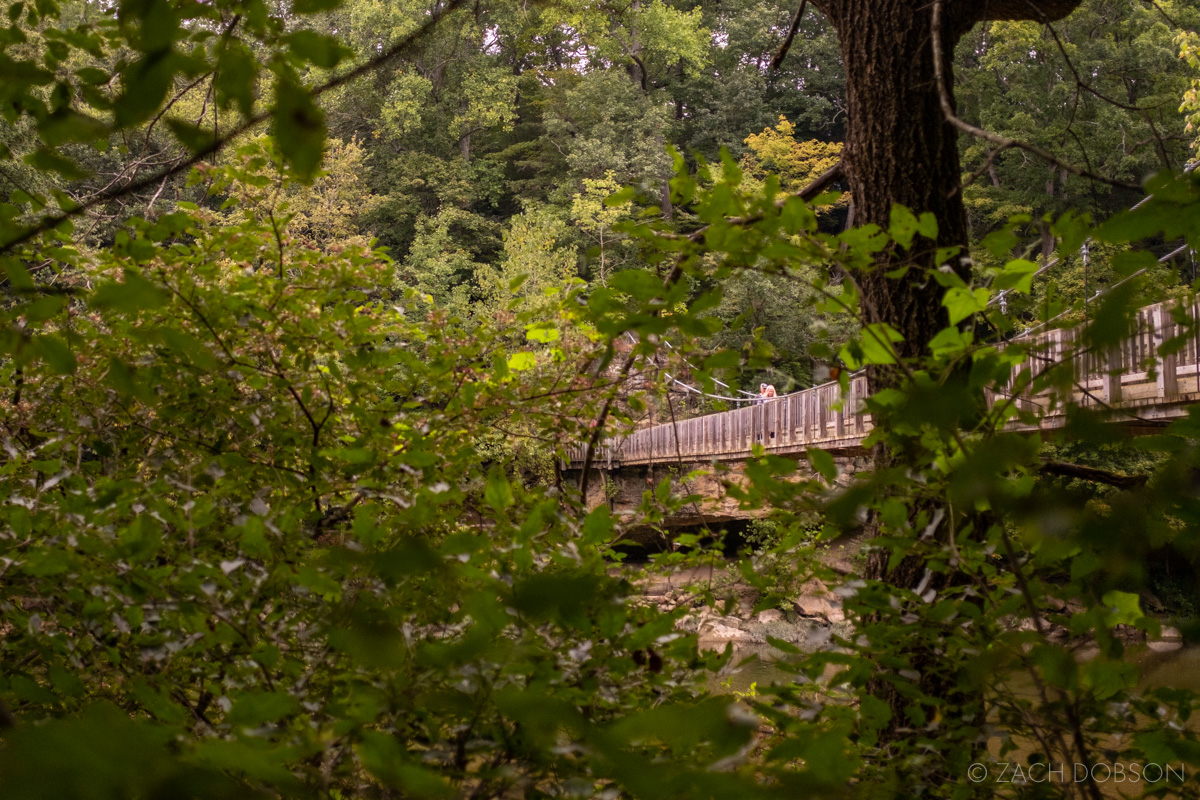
[
  {"x": 1168, "y": 365},
  {"x": 822, "y": 413},
  {"x": 792, "y": 405},
  {"x": 1064, "y": 353},
  {"x": 839, "y": 416},
  {"x": 1110, "y": 380},
  {"x": 858, "y": 386}
]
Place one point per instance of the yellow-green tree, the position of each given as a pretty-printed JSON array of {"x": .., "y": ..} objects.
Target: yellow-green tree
[
  {"x": 536, "y": 266},
  {"x": 797, "y": 163},
  {"x": 597, "y": 219},
  {"x": 1189, "y": 51}
]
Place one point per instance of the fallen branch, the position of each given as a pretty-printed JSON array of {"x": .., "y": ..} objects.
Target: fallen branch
[{"x": 1067, "y": 469}]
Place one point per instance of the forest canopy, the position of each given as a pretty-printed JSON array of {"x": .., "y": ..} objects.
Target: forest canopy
[{"x": 307, "y": 305}]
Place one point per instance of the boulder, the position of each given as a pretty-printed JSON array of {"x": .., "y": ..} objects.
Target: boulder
[
  {"x": 1169, "y": 634},
  {"x": 821, "y": 607},
  {"x": 768, "y": 616}
]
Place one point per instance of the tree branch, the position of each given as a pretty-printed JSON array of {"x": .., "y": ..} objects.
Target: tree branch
[
  {"x": 781, "y": 53},
  {"x": 996, "y": 139},
  {"x": 1067, "y": 469},
  {"x": 1042, "y": 11},
  {"x": 388, "y": 55},
  {"x": 1079, "y": 82},
  {"x": 987, "y": 165}
]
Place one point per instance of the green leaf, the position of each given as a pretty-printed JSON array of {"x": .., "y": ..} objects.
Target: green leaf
[
  {"x": 638, "y": 283},
  {"x": 251, "y": 757},
  {"x": 55, "y": 352},
  {"x": 962, "y": 303},
  {"x": 598, "y": 525},
  {"x": 722, "y": 359},
  {"x": 299, "y": 128},
  {"x": 156, "y": 20},
  {"x": 498, "y": 494},
  {"x": 874, "y": 347},
  {"x": 237, "y": 70},
  {"x": 1000, "y": 243},
  {"x": 145, "y": 86},
  {"x": 902, "y": 226},
  {"x": 157, "y": 702},
  {"x": 1113, "y": 317},
  {"x": 732, "y": 171},
  {"x": 251, "y": 709},
  {"x": 927, "y": 225},
  {"x": 519, "y": 362},
  {"x": 30, "y": 691},
  {"x": 319, "y": 49},
  {"x": 50, "y": 161},
  {"x": 784, "y": 646},
  {"x": 195, "y": 138},
  {"x": 66, "y": 683},
  {"x": 93, "y": 76},
  {"x": 316, "y": 581},
  {"x": 1072, "y": 228},
  {"x": 1017, "y": 276},
  {"x": 949, "y": 341},
  {"x": 564, "y": 596},
  {"x": 1128, "y": 262},
  {"x": 314, "y": 6},
  {"x": 822, "y": 462},
  {"x": 135, "y": 294},
  {"x": 125, "y": 758},
  {"x": 383, "y": 757},
  {"x": 542, "y": 332},
  {"x": 66, "y": 125},
  {"x": 1123, "y": 608},
  {"x": 16, "y": 273},
  {"x": 1108, "y": 678},
  {"x": 44, "y": 308}
]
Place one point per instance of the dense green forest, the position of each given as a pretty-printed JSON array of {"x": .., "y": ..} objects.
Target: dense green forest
[{"x": 306, "y": 303}]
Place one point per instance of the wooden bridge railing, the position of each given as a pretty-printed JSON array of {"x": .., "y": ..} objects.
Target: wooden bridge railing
[{"x": 1130, "y": 375}]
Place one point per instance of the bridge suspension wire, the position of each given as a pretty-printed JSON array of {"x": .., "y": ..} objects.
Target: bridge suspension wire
[
  {"x": 1001, "y": 297},
  {"x": 1101, "y": 293},
  {"x": 749, "y": 398}
]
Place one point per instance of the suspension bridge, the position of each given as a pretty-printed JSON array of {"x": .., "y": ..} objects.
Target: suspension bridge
[{"x": 1134, "y": 380}]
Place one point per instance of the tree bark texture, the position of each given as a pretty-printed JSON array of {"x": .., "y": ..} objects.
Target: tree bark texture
[
  {"x": 899, "y": 147},
  {"x": 901, "y": 150}
]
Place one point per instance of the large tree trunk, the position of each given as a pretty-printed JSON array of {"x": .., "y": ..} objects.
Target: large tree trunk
[{"x": 901, "y": 150}]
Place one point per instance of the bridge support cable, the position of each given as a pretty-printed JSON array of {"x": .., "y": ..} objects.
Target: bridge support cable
[
  {"x": 1117, "y": 379},
  {"x": 1101, "y": 293},
  {"x": 1002, "y": 295},
  {"x": 1113, "y": 392},
  {"x": 747, "y": 399}
]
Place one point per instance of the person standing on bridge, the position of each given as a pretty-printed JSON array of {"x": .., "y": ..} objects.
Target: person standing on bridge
[{"x": 765, "y": 392}]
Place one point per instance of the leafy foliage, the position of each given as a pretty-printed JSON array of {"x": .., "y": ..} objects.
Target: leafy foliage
[{"x": 284, "y": 514}]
